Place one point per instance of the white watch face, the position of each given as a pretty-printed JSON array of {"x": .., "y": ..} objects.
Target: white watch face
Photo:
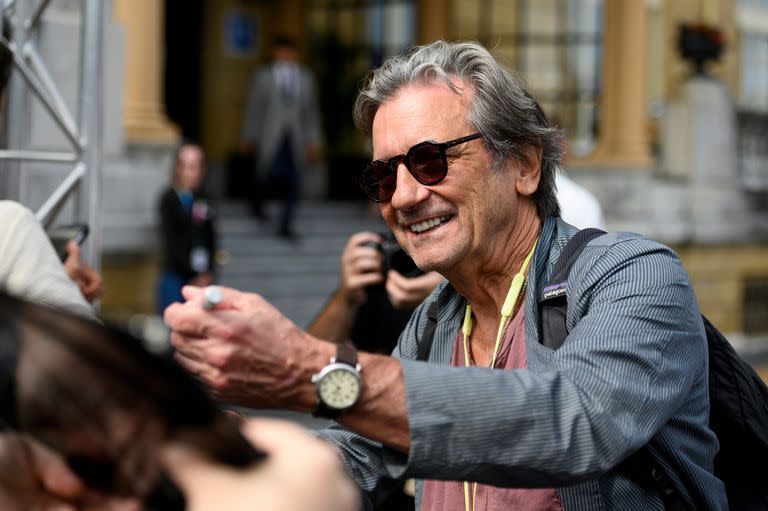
[{"x": 339, "y": 388}]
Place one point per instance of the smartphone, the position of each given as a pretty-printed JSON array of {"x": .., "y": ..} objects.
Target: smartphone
[{"x": 61, "y": 235}]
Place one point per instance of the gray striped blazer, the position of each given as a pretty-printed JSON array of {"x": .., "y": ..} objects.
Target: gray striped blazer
[{"x": 631, "y": 372}]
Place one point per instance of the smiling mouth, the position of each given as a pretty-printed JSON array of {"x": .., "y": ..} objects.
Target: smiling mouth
[{"x": 429, "y": 224}]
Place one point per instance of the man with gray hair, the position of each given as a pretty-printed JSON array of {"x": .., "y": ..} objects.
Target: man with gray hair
[{"x": 464, "y": 171}]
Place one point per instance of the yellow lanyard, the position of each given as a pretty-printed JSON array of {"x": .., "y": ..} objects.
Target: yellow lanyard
[{"x": 507, "y": 311}]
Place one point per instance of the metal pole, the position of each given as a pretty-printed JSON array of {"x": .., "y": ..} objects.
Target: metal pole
[
  {"x": 31, "y": 23},
  {"x": 59, "y": 106},
  {"x": 17, "y": 116},
  {"x": 50, "y": 156},
  {"x": 91, "y": 121},
  {"x": 46, "y": 101},
  {"x": 48, "y": 211}
]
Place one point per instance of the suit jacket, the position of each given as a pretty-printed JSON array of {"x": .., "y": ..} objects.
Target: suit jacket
[
  {"x": 631, "y": 372},
  {"x": 269, "y": 117}
]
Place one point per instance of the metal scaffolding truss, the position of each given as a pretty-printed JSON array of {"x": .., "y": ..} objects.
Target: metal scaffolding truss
[{"x": 83, "y": 133}]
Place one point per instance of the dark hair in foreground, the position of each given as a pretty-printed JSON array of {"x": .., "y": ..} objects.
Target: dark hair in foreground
[{"x": 504, "y": 112}]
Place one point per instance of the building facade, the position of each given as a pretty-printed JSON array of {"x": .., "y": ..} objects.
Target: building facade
[
  {"x": 677, "y": 155},
  {"x": 671, "y": 153}
]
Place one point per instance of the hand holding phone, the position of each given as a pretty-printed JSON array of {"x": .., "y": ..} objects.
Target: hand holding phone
[
  {"x": 61, "y": 235},
  {"x": 67, "y": 240}
]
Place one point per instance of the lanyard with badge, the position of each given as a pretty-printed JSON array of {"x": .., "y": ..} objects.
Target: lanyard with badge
[{"x": 508, "y": 309}]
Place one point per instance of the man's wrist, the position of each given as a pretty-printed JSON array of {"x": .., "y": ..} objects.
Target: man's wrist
[{"x": 315, "y": 359}]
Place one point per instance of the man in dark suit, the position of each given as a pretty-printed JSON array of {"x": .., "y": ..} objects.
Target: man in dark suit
[{"x": 281, "y": 126}]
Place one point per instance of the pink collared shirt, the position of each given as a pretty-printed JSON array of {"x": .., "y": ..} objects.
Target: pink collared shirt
[{"x": 449, "y": 495}]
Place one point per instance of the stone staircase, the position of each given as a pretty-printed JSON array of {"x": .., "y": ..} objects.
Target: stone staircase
[{"x": 295, "y": 276}]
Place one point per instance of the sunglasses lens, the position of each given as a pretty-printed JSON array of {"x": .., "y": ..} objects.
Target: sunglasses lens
[
  {"x": 427, "y": 164},
  {"x": 378, "y": 181}
]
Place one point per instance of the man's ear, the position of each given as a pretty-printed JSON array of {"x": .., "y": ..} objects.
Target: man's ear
[{"x": 529, "y": 171}]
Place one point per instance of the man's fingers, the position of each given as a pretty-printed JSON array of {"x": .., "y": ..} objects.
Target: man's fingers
[
  {"x": 397, "y": 286},
  {"x": 180, "y": 318},
  {"x": 207, "y": 374},
  {"x": 365, "y": 280},
  {"x": 230, "y": 298},
  {"x": 366, "y": 263},
  {"x": 361, "y": 237},
  {"x": 194, "y": 322},
  {"x": 189, "y": 347},
  {"x": 181, "y": 341},
  {"x": 190, "y": 293},
  {"x": 191, "y": 365}
]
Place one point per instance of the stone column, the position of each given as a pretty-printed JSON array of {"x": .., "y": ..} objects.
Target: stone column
[
  {"x": 623, "y": 138},
  {"x": 434, "y": 19},
  {"x": 144, "y": 118}
]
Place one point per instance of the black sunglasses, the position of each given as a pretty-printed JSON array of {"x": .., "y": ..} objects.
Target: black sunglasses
[{"x": 425, "y": 161}]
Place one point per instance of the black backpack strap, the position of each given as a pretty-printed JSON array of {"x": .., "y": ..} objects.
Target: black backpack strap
[
  {"x": 553, "y": 303},
  {"x": 425, "y": 346},
  {"x": 572, "y": 250},
  {"x": 647, "y": 472}
]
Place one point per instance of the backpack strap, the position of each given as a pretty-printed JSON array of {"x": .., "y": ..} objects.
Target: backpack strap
[
  {"x": 572, "y": 250},
  {"x": 425, "y": 346},
  {"x": 553, "y": 303}
]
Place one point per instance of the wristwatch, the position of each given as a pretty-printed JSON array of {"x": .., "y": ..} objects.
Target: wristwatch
[{"x": 338, "y": 384}]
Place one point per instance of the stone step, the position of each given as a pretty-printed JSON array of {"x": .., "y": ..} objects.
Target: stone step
[
  {"x": 295, "y": 276},
  {"x": 285, "y": 284},
  {"x": 266, "y": 265}
]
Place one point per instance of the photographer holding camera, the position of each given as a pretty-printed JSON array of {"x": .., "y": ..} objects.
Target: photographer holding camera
[{"x": 379, "y": 287}]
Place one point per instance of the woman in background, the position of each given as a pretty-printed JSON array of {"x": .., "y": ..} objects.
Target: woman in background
[{"x": 187, "y": 228}]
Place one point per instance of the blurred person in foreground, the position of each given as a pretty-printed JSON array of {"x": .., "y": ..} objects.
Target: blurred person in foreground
[
  {"x": 464, "y": 168},
  {"x": 187, "y": 228},
  {"x": 282, "y": 128}
]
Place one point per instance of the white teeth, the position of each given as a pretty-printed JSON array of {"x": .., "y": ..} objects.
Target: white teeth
[{"x": 428, "y": 224}]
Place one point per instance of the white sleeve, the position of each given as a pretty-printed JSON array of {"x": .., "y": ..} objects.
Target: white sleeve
[{"x": 30, "y": 267}]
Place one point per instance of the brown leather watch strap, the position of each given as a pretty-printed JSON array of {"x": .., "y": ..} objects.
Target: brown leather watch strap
[{"x": 346, "y": 354}]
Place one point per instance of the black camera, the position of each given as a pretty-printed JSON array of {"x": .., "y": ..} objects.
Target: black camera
[{"x": 394, "y": 257}]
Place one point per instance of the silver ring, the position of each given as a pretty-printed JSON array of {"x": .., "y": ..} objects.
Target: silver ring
[{"x": 212, "y": 297}]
